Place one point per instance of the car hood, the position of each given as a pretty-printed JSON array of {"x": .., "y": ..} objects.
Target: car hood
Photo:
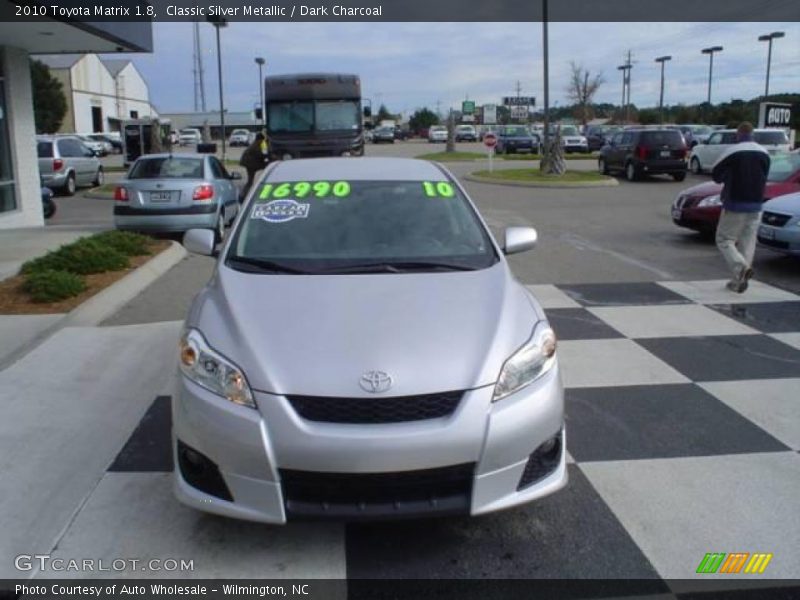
[
  {"x": 709, "y": 188},
  {"x": 316, "y": 335},
  {"x": 788, "y": 204}
]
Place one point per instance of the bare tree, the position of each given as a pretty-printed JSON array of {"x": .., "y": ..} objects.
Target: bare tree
[{"x": 582, "y": 88}]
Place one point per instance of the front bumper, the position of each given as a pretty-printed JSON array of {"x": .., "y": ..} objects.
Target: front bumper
[
  {"x": 785, "y": 240},
  {"x": 264, "y": 456},
  {"x": 662, "y": 167}
]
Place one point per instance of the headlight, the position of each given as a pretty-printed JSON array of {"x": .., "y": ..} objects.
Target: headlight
[
  {"x": 536, "y": 357},
  {"x": 710, "y": 201},
  {"x": 211, "y": 370}
]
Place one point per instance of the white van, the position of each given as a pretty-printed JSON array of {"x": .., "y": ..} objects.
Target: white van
[{"x": 706, "y": 154}]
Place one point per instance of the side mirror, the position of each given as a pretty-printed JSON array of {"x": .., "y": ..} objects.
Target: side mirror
[
  {"x": 519, "y": 239},
  {"x": 199, "y": 241},
  {"x": 235, "y": 175}
]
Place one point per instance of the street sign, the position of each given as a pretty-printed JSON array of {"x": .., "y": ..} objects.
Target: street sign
[
  {"x": 489, "y": 114},
  {"x": 519, "y": 101},
  {"x": 774, "y": 114},
  {"x": 468, "y": 107},
  {"x": 519, "y": 112},
  {"x": 490, "y": 140},
  {"x": 468, "y": 118}
]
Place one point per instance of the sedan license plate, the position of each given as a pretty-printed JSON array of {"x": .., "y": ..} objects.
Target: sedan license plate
[
  {"x": 666, "y": 154},
  {"x": 160, "y": 196},
  {"x": 676, "y": 213},
  {"x": 766, "y": 233}
]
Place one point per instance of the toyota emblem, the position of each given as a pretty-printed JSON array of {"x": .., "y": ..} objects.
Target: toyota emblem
[{"x": 375, "y": 382}]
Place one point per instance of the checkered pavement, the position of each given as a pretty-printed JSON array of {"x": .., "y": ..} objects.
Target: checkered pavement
[{"x": 683, "y": 421}]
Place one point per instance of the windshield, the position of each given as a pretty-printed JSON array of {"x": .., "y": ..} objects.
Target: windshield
[
  {"x": 569, "y": 130},
  {"x": 167, "y": 168},
  {"x": 770, "y": 137},
  {"x": 307, "y": 116},
  {"x": 516, "y": 131},
  {"x": 240, "y": 132},
  {"x": 782, "y": 166},
  {"x": 189, "y": 131},
  {"x": 316, "y": 226},
  {"x": 438, "y": 128}
]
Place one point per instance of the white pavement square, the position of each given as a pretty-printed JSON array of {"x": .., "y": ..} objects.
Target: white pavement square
[
  {"x": 772, "y": 404},
  {"x": 549, "y": 296},
  {"x": 677, "y": 510},
  {"x": 791, "y": 339},
  {"x": 17, "y": 331},
  {"x": 618, "y": 362},
  {"x": 669, "y": 321},
  {"x": 714, "y": 292},
  {"x": 219, "y": 547}
]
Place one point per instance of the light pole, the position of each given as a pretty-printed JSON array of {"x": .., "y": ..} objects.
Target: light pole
[
  {"x": 626, "y": 85},
  {"x": 545, "y": 44},
  {"x": 662, "y": 60},
  {"x": 710, "y": 51},
  {"x": 218, "y": 23},
  {"x": 260, "y": 62},
  {"x": 768, "y": 38}
]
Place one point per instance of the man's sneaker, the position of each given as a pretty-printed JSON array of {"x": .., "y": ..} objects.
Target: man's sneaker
[
  {"x": 733, "y": 286},
  {"x": 743, "y": 279}
]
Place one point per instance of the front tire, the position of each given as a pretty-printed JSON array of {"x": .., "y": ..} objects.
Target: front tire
[
  {"x": 694, "y": 165},
  {"x": 219, "y": 230},
  {"x": 100, "y": 178}
]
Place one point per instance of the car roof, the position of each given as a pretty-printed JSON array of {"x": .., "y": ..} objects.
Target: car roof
[
  {"x": 357, "y": 169},
  {"x": 173, "y": 155}
]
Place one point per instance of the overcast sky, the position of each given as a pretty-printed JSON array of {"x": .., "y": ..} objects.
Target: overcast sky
[{"x": 409, "y": 65}]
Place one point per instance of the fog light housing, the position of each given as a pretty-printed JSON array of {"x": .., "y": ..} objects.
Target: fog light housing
[{"x": 541, "y": 462}]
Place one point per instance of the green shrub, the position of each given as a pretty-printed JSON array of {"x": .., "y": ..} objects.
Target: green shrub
[
  {"x": 81, "y": 257},
  {"x": 52, "y": 286},
  {"x": 124, "y": 242}
]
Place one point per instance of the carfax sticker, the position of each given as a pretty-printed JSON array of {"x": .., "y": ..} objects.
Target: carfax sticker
[{"x": 280, "y": 211}]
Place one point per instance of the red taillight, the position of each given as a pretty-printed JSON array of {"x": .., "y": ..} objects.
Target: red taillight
[
  {"x": 683, "y": 152},
  {"x": 58, "y": 164},
  {"x": 120, "y": 194},
  {"x": 641, "y": 152},
  {"x": 203, "y": 192}
]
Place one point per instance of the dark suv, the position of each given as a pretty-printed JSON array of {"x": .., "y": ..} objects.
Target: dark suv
[{"x": 639, "y": 152}]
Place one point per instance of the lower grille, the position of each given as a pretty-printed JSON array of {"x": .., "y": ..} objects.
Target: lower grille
[
  {"x": 773, "y": 243},
  {"x": 541, "y": 463},
  {"x": 201, "y": 472},
  {"x": 444, "y": 490},
  {"x": 375, "y": 410},
  {"x": 774, "y": 219}
]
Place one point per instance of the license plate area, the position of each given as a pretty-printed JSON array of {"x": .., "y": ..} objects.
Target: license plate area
[
  {"x": 665, "y": 153},
  {"x": 676, "y": 213},
  {"x": 161, "y": 196},
  {"x": 766, "y": 232}
]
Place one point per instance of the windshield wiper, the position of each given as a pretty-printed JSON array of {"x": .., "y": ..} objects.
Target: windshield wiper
[
  {"x": 396, "y": 267},
  {"x": 259, "y": 265}
]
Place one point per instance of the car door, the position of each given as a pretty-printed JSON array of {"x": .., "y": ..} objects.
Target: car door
[
  {"x": 225, "y": 190},
  {"x": 613, "y": 152},
  {"x": 71, "y": 152}
]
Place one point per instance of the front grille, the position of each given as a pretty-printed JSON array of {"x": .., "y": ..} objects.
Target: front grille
[
  {"x": 445, "y": 490},
  {"x": 399, "y": 409},
  {"x": 774, "y": 219}
]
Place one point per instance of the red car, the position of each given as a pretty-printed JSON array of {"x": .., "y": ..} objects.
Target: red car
[{"x": 699, "y": 207}]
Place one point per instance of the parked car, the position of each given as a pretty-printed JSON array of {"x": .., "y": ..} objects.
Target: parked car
[
  {"x": 176, "y": 192},
  {"x": 48, "y": 204},
  {"x": 190, "y": 136},
  {"x": 516, "y": 138},
  {"x": 239, "y": 137},
  {"x": 639, "y": 152},
  {"x": 383, "y": 134},
  {"x": 368, "y": 135},
  {"x": 66, "y": 163},
  {"x": 437, "y": 133},
  {"x": 99, "y": 147},
  {"x": 698, "y": 207},
  {"x": 572, "y": 140},
  {"x": 695, "y": 134},
  {"x": 705, "y": 155},
  {"x": 780, "y": 225},
  {"x": 110, "y": 145},
  {"x": 289, "y": 404},
  {"x": 597, "y": 135},
  {"x": 466, "y": 133},
  {"x": 401, "y": 133}
]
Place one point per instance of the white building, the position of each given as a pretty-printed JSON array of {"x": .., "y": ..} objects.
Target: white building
[
  {"x": 20, "y": 199},
  {"x": 100, "y": 92}
]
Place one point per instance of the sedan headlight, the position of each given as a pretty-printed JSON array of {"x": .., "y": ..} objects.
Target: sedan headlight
[
  {"x": 535, "y": 358},
  {"x": 209, "y": 369},
  {"x": 710, "y": 201}
]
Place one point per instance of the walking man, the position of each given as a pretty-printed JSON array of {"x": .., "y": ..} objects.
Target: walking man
[
  {"x": 253, "y": 160},
  {"x": 743, "y": 172}
]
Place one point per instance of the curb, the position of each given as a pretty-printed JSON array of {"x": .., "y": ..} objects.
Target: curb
[
  {"x": 105, "y": 303},
  {"x": 530, "y": 184}
]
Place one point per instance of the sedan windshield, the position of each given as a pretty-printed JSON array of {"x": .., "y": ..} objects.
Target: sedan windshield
[
  {"x": 167, "y": 168},
  {"x": 517, "y": 131},
  {"x": 569, "y": 130},
  {"x": 360, "y": 226}
]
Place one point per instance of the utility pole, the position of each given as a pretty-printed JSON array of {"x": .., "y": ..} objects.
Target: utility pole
[
  {"x": 545, "y": 54},
  {"x": 710, "y": 51},
  {"x": 219, "y": 23},
  {"x": 197, "y": 70},
  {"x": 662, "y": 60},
  {"x": 260, "y": 62},
  {"x": 626, "y": 86},
  {"x": 768, "y": 38}
]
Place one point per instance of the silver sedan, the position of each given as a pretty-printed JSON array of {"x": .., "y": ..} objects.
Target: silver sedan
[
  {"x": 176, "y": 192},
  {"x": 363, "y": 351}
]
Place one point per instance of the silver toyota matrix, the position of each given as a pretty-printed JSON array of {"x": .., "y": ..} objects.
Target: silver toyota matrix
[{"x": 363, "y": 351}]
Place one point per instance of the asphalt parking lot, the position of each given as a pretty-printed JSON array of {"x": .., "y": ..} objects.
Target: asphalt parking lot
[{"x": 682, "y": 416}]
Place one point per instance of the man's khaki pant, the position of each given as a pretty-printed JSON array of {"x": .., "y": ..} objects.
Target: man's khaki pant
[{"x": 736, "y": 239}]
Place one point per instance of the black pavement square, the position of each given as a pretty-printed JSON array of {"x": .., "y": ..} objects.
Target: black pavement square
[
  {"x": 726, "y": 357},
  {"x": 657, "y": 421},
  {"x": 579, "y": 324},
  {"x": 569, "y": 534},
  {"x": 149, "y": 449},
  {"x": 622, "y": 294},
  {"x": 767, "y": 317}
]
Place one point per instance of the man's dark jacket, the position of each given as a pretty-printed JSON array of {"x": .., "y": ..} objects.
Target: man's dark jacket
[
  {"x": 252, "y": 158},
  {"x": 743, "y": 172}
]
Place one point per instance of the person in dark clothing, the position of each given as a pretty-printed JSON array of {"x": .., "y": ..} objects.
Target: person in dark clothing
[
  {"x": 743, "y": 172},
  {"x": 253, "y": 159}
]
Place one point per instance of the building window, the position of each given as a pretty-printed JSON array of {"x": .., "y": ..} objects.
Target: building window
[
  {"x": 134, "y": 114},
  {"x": 7, "y": 189}
]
